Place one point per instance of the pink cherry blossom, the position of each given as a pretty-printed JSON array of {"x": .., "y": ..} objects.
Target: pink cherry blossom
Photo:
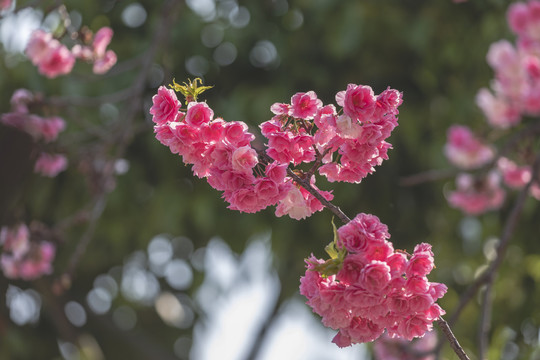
[
  {"x": 49, "y": 55},
  {"x": 464, "y": 150},
  {"x": 50, "y": 165},
  {"x": 20, "y": 100},
  {"x": 104, "y": 63},
  {"x": 38, "y": 46},
  {"x": 304, "y": 105},
  {"x": 15, "y": 240},
  {"x": 382, "y": 288},
  {"x": 356, "y": 235},
  {"x": 500, "y": 113},
  {"x": 358, "y": 102},
  {"x": 51, "y": 127},
  {"x": 198, "y": 113},
  {"x": 165, "y": 106},
  {"x": 523, "y": 19},
  {"x": 244, "y": 158},
  {"x": 102, "y": 39},
  {"x": 514, "y": 176},
  {"x": 23, "y": 258},
  {"x": 475, "y": 196}
]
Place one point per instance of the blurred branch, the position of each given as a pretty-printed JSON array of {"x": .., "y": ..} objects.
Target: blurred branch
[
  {"x": 125, "y": 133},
  {"x": 86, "y": 101},
  {"x": 428, "y": 176},
  {"x": 485, "y": 320},
  {"x": 97, "y": 209},
  {"x": 435, "y": 175},
  {"x": 489, "y": 275},
  {"x": 454, "y": 343},
  {"x": 305, "y": 183}
]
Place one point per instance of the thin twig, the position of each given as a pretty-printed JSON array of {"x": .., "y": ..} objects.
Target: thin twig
[
  {"x": 485, "y": 320},
  {"x": 428, "y": 176},
  {"x": 454, "y": 344},
  {"x": 135, "y": 92},
  {"x": 435, "y": 175},
  {"x": 306, "y": 185}
]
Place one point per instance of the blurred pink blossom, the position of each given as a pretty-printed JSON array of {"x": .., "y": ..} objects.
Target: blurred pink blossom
[
  {"x": 464, "y": 150},
  {"x": 50, "y": 165},
  {"x": 23, "y": 258},
  {"x": 50, "y": 56},
  {"x": 475, "y": 196}
]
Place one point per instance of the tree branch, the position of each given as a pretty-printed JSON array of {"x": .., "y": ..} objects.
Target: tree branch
[{"x": 508, "y": 230}]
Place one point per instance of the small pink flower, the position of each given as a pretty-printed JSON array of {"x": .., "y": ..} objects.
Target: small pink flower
[
  {"x": 22, "y": 258},
  {"x": 51, "y": 127},
  {"x": 199, "y": 113},
  {"x": 280, "y": 108},
  {"x": 358, "y": 102},
  {"x": 387, "y": 102},
  {"x": 414, "y": 326},
  {"x": 50, "y": 165},
  {"x": 20, "y": 100},
  {"x": 236, "y": 133},
  {"x": 104, "y": 63},
  {"x": 524, "y": 18},
  {"x": 498, "y": 111},
  {"x": 57, "y": 60},
  {"x": 304, "y": 105},
  {"x": 165, "y": 106},
  {"x": 514, "y": 176},
  {"x": 464, "y": 150},
  {"x": 38, "y": 47},
  {"x": 15, "y": 240},
  {"x": 244, "y": 159},
  {"x": 476, "y": 196},
  {"x": 245, "y": 200},
  {"x": 375, "y": 276},
  {"x": 348, "y": 127},
  {"x": 421, "y": 262},
  {"x": 356, "y": 235},
  {"x": 102, "y": 39},
  {"x": 351, "y": 269},
  {"x": 294, "y": 205}
]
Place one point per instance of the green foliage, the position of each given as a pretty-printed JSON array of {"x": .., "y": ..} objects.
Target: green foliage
[{"x": 432, "y": 51}]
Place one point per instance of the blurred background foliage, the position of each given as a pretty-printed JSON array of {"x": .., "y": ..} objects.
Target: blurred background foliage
[{"x": 256, "y": 53}]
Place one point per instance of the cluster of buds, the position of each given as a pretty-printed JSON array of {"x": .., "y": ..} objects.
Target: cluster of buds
[
  {"x": 23, "y": 258},
  {"x": 41, "y": 129},
  {"x": 366, "y": 286},
  {"x": 516, "y": 93},
  {"x": 303, "y": 131},
  {"x": 54, "y": 58}
]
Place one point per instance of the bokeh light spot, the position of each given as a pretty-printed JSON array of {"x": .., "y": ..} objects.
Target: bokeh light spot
[
  {"x": 225, "y": 54},
  {"x": 134, "y": 15},
  {"x": 75, "y": 313}
]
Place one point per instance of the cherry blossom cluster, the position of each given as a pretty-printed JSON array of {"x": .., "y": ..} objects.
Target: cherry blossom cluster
[
  {"x": 303, "y": 131},
  {"x": 22, "y": 257},
  {"x": 53, "y": 58},
  {"x": 516, "y": 93},
  {"x": 366, "y": 286},
  {"x": 41, "y": 129}
]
